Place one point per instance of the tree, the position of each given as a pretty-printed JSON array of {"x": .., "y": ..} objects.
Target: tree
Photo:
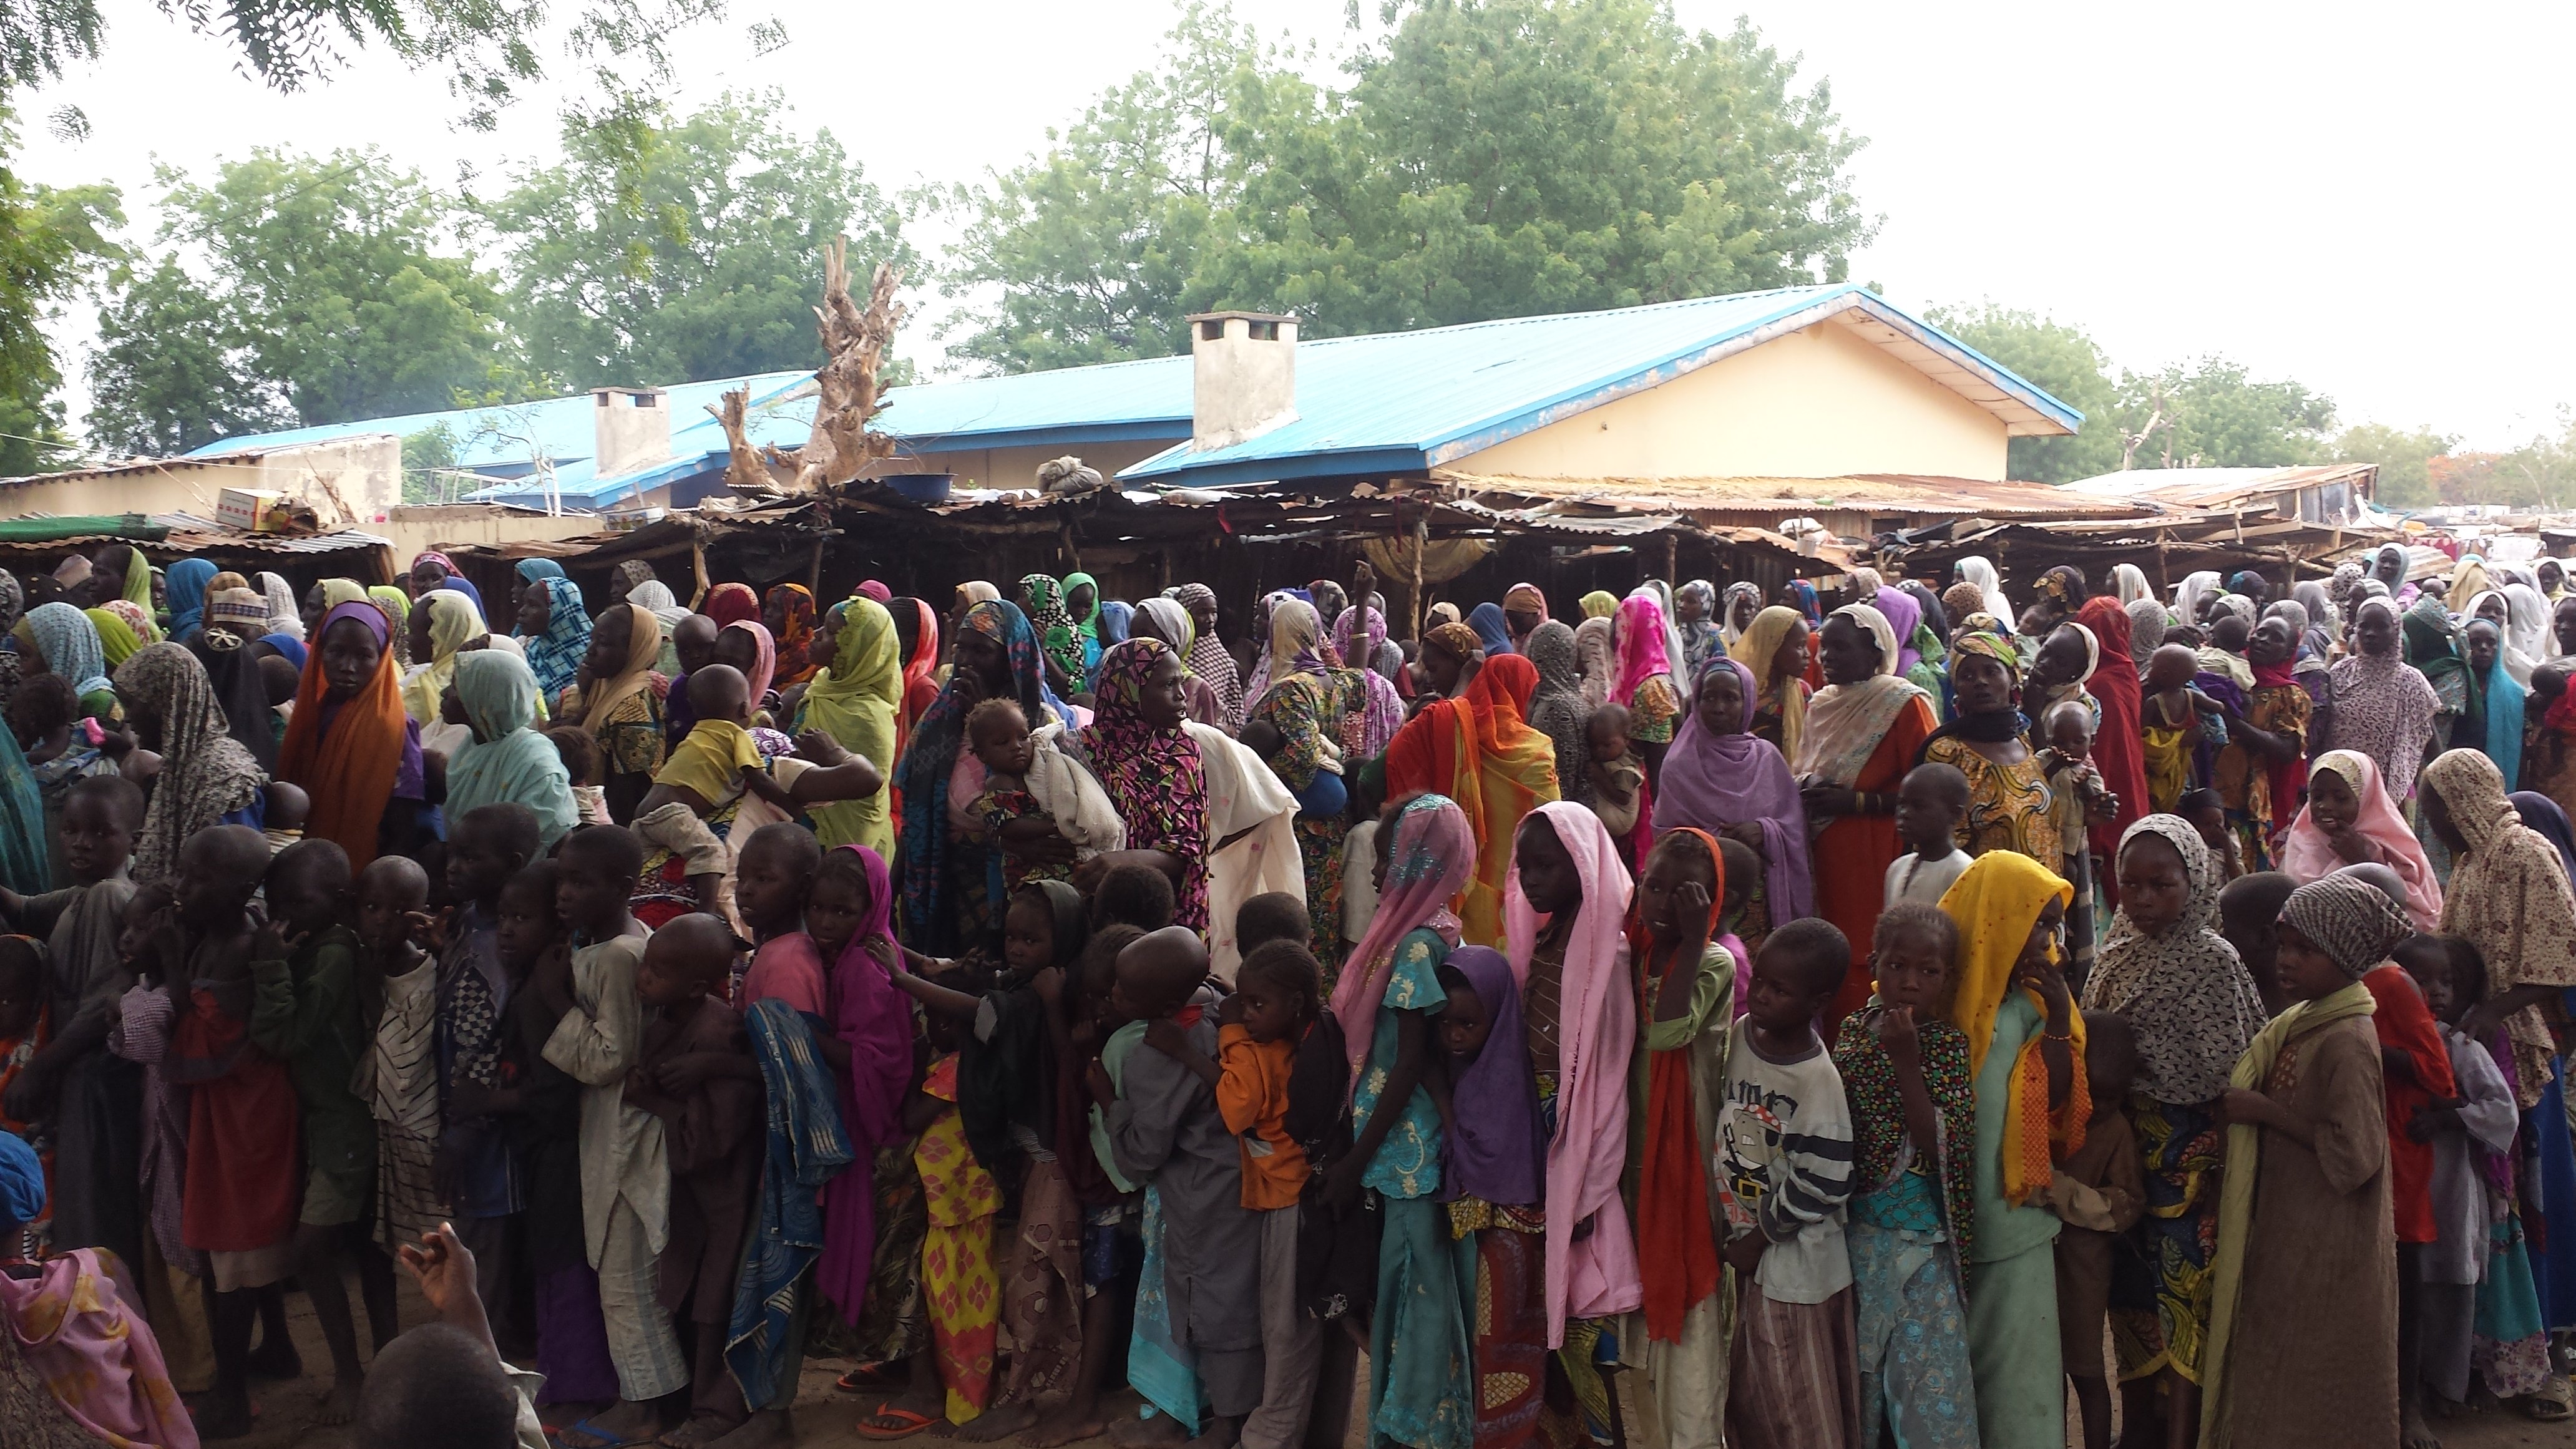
[
  {"x": 2212, "y": 414},
  {"x": 51, "y": 243},
  {"x": 2063, "y": 362},
  {"x": 661, "y": 251},
  {"x": 2405, "y": 460},
  {"x": 1491, "y": 158},
  {"x": 327, "y": 291}
]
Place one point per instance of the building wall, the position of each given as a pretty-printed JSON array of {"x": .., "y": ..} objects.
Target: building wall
[
  {"x": 1817, "y": 403},
  {"x": 1018, "y": 467},
  {"x": 416, "y": 527},
  {"x": 178, "y": 487},
  {"x": 364, "y": 471}
]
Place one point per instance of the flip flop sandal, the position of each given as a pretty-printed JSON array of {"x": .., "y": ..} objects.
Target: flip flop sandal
[
  {"x": 604, "y": 1438},
  {"x": 867, "y": 1378},
  {"x": 2555, "y": 1403},
  {"x": 909, "y": 1424}
]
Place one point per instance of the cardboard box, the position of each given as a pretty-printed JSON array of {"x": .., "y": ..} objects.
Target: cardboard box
[{"x": 249, "y": 511}]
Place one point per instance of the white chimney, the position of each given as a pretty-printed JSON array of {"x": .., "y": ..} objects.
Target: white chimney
[
  {"x": 633, "y": 428},
  {"x": 1243, "y": 381}
]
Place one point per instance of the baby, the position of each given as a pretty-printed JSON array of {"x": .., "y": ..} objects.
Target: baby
[
  {"x": 2077, "y": 794},
  {"x": 1045, "y": 810},
  {"x": 1615, "y": 772}
]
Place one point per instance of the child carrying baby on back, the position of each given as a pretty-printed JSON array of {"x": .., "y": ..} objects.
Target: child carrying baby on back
[{"x": 1043, "y": 809}]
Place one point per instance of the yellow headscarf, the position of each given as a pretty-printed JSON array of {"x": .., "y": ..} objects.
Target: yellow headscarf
[
  {"x": 854, "y": 700},
  {"x": 1755, "y": 649},
  {"x": 2467, "y": 582},
  {"x": 453, "y": 622},
  {"x": 1599, "y": 604},
  {"x": 336, "y": 592},
  {"x": 1995, "y": 905},
  {"x": 117, "y": 639}
]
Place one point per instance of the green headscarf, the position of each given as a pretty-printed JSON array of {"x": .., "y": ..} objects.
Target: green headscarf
[
  {"x": 853, "y": 700},
  {"x": 1089, "y": 627},
  {"x": 507, "y": 760},
  {"x": 138, "y": 592},
  {"x": 116, "y": 638}
]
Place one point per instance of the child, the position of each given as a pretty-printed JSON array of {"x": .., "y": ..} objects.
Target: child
[
  {"x": 398, "y": 990},
  {"x": 580, "y": 754},
  {"x": 625, "y": 1173},
  {"x": 695, "y": 1075},
  {"x": 1359, "y": 854},
  {"x": 1931, "y": 802},
  {"x": 239, "y": 1198},
  {"x": 956, "y": 1272},
  {"x": 1111, "y": 1252},
  {"x": 1133, "y": 895},
  {"x": 88, "y": 1095},
  {"x": 2171, "y": 725},
  {"x": 172, "y": 1272},
  {"x": 306, "y": 970},
  {"x": 2247, "y": 907},
  {"x": 23, "y": 1017},
  {"x": 2303, "y": 1334},
  {"x": 1784, "y": 1152},
  {"x": 2207, "y": 813},
  {"x": 2415, "y": 1068},
  {"x": 1270, "y": 916},
  {"x": 1618, "y": 777},
  {"x": 1743, "y": 869},
  {"x": 2077, "y": 800},
  {"x": 2468, "y": 1132},
  {"x": 1165, "y": 1129},
  {"x": 1278, "y": 993},
  {"x": 1497, "y": 1163},
  {"x": 1904, "y": 1068},
  {"x": 1035, "y": 802},
  {"x": 2100, "y": 1192},
  {"x": 288, "y": 808},
  {"x": 480, "y": 1172}
]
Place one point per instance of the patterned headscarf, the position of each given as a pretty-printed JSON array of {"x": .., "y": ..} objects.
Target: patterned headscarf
[
  {"x": 454, "y": 622},
  {"x": 1700, "y": 636},
  {"x": 2509, "y": 897},
  {"x": 1057, "y": 638},
  {"x": 1208, "y": 658},
  {"x": 283, "y": 615},
  {"x": 68, "y": 640},
  {"x": 1433, "y": 856},
  {"x": 2351, "y": 920},
  {"x": 1153, "y": 775},
  {"x": 138, "y": 629},
  {"x": 2186, "y": 993},
  {"x": 206, "y": 774},
  {"x": 1459, "y": 641},
  {"x": 555, "y": 656},
  {"x": 1556, "y": 707},
  {"x": 795, "y": 606},
  {"x": 921, "y": 775},
  {"x": 395, "y": 605}
]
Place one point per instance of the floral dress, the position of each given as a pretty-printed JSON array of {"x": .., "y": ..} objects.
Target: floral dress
[{"x": 2008, "y": 805}]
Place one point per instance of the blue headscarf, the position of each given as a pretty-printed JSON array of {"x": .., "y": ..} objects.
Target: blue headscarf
[
  {"x": 22, "y": 1179},
  {"x": 554, "y": 657},
  {"x": 533, "y": 569},
  {"x": 289, "y": 646},
  {"x": 929, "y": 917},
  {"x": 1492, "y": 628},
  {"x": 187, "y": 580},
  {"x": 1114, "y": 617},
  {"x": 69, "y": 642},
  {"x": 2501, "y": 703},
  {"x": 1805, "y": 593}
]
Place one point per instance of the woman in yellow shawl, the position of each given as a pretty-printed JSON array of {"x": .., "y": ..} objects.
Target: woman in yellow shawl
[
  {"x": 397, "y": 608},
  {"x": 117, "y": 639},
  {"x": 1774, "y": 647},
  {"x": 2026, "y": 1054},
  {"x": 853, "y": 700},
  {"x": 446, "y": 622}
]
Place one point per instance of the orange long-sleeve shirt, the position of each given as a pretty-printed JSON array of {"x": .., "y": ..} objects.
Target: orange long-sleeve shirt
[{"x": 1252, "y": 1093}]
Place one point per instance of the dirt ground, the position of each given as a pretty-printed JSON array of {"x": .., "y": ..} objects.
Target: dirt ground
[{"x": 828, "y": 1418}]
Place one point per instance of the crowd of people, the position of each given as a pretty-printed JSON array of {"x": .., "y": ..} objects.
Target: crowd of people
[{"x": 1839, "y": 1018}]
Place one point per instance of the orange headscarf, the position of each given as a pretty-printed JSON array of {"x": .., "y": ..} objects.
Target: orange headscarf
[
  {"x": 1477, "y": 750},
  {"x": 1673, "y": 1222},
  {"x": 348, "y": 769},
  {"x": 920, "y": 686}
]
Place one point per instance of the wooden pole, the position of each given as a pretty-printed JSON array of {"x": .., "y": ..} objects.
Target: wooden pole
[{"x": 698, "y": 567}]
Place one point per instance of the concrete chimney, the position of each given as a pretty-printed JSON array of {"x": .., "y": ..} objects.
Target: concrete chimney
[
  {"x": 1243, "y": 379},
  {"x": 633, "y": 427}
]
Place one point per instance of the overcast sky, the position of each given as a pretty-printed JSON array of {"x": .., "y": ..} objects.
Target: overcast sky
[{"x": 2373, "y": 202}]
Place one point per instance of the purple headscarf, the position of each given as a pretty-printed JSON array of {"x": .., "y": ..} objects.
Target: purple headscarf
[
  {"x": 1712, "y": 781},
  {"x": 1904, "y": 616},
  {"x": 872, "y": 1015},
  {"x": 1495, "y": 1150}
]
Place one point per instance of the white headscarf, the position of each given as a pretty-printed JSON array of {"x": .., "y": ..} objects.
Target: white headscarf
[
  {"x": 2526, "y": 635},
  {"x": 2191, "y": 593},
  {"x": 1980, "y": 570},
  {"x": 2129, "y": 584}
]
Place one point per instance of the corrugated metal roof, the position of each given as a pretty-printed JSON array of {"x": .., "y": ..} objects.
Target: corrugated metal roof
[
  {"x": 1867, "y": 492},
  {"x": 2209, "y": 487}
]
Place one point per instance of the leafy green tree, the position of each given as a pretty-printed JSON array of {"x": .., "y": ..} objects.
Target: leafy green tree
[
  {"x": 2405, "y": 460},
  {"x": 51, "y": 243},
  {"x": 665, "y": 251},
  {"x": 2212, "y": 414},
  {"x": 2063, "y": 362},
  {"x": 426, "y": 455},
  {"x": 1491, "y": 158},
  {"x": 329, "y": 289}
]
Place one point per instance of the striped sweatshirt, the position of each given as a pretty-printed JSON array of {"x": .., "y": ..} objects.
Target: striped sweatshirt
[{"x": 1783, "y": 1146}]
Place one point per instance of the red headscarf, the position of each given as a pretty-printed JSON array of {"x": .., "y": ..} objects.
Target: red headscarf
[
  {"x": 1673, "y": 1223},
  {"x": 731, "y": 604},
  {"x": 2118, "y": 748}
]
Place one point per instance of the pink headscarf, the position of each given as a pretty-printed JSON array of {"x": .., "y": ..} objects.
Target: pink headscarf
[
  {"x": 1433, "y": 859},
  {"x": 764, "y": 658},
  {"x": 872, "y": 1015},
  {"x": 1596, "y": 1034},
  {"x": 2309, "y": 856},
  {"x": 1641, "y": 645},
  {"x": 876, "y": 591},
  {"x": 106, "y": 1375}
]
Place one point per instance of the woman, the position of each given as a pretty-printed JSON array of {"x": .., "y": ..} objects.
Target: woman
[
  {"x": 2194, "y": 595},
  {"x": 731, "y": 604},
  {"x": 206, "y": 776},
  {"x": 2194, "y": 1009},
  {"x": 442, "y": 623},
  {"x": 1919, "y": 650},
  {"x": 855, "y": 702},
  {"x": 1644, "y": 684},
  {"x": 121, "y": 631},
  {"x": 1596, "y": 654},
  {"x": 2025, "y": 1054},
  {"x": 945, "y": 905},
  {"x": 1599, "y": 604},
  {"x": 1418, "y": 1346},
  {"x": 1695, "y": 616},
  {"x": 507, "y": 761},
  {"x": 2264, "y": 764},
  {"x": 119, "y": 573},
  {"x": 616, "y": 701},
  {"x": 188, "y": 581},
  {"x": 2526, "y": 633},
  {"x": 2351, "y": 819},
  {"x": 2433, "y": 647},
  {"x": 350, "y": 744},
  {"x": 1493, "y": 631},
  {"x": 788, "y": 610},
  {"x": 2377, "y": 704},
  {"x": 1208, "y": 657},
  {"x": 2008, "y": 795},
  {"x": 532, "y": 570},
  {"x": 283, "y": 617},
  {"x": 654, "y": 596},
  {"x": 1477, "y": 750},
  {"x": 1082, "y": 606},
  {"x": 1165, "y": 619},
  {"x": 2116, "y": 687},
  {"x": 1774, "y": 651},
  {"x": 1556, "y": 707},
  {"x": 1978, "y": 572},
  {"x": 1359, "y": 635},
  {"x": 1311, "y": 705},
  {"x": 437, "y": 571},
  {"x": 58, "y": 639},
  {"x": 1864, "y": 729},
  {"x": 554, "y": 633},
  {"x": 920, "y": 666},
  {"x": 234, "y": 619},
  {"x": 2492, "y": 720},
  {"x": 1524, "y": 609},
  {"x": 1042, "y": 599},
  {"x": 1450, "y": 658},
  {"x": 2129, "y": 584},
  {"x": 1743, "y": 601},
  {"x": 1724, "y": 779}
]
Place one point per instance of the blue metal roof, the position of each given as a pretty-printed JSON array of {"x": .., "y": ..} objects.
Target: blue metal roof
[{"x": 1406, "y": 401}]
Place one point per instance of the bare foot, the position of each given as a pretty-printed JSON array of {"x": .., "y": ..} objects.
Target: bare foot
[
  {"x": 276, "y": 1359},
  {"x": 1067, "y": 1430},
  {"x": 340, "y": 1405},
  {"x": 699, "y": 1432},
  {"x": 762, "y": 1430},
  {"x": 2414, "y": 1433},
  {"x": 1158, "y": 1432},
  {"x": 1010, "y": 1419}
]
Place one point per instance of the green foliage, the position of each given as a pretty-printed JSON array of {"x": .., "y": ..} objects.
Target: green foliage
[
  {"x": 424, "y": 455},
  {"x": 51, "y": 242},
  {"x": 2405, "y": 458},
  {"x": 1491, "y": 158},
  {"x": 329, "y": 290},
  {"x": 668, "y": 251},
  {"x": 2214, "y": 415},
  {"x": 2540, "y": 473},
  {"x": 2063, "y": 362}
]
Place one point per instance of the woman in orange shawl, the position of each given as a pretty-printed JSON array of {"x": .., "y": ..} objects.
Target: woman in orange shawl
[
  {"x": 351, "y": 745},
  {"x": 1477, "y": 750}
]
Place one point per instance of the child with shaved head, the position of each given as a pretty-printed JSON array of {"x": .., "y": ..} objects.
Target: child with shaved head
[{"x": 1165, "y": 1128}]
